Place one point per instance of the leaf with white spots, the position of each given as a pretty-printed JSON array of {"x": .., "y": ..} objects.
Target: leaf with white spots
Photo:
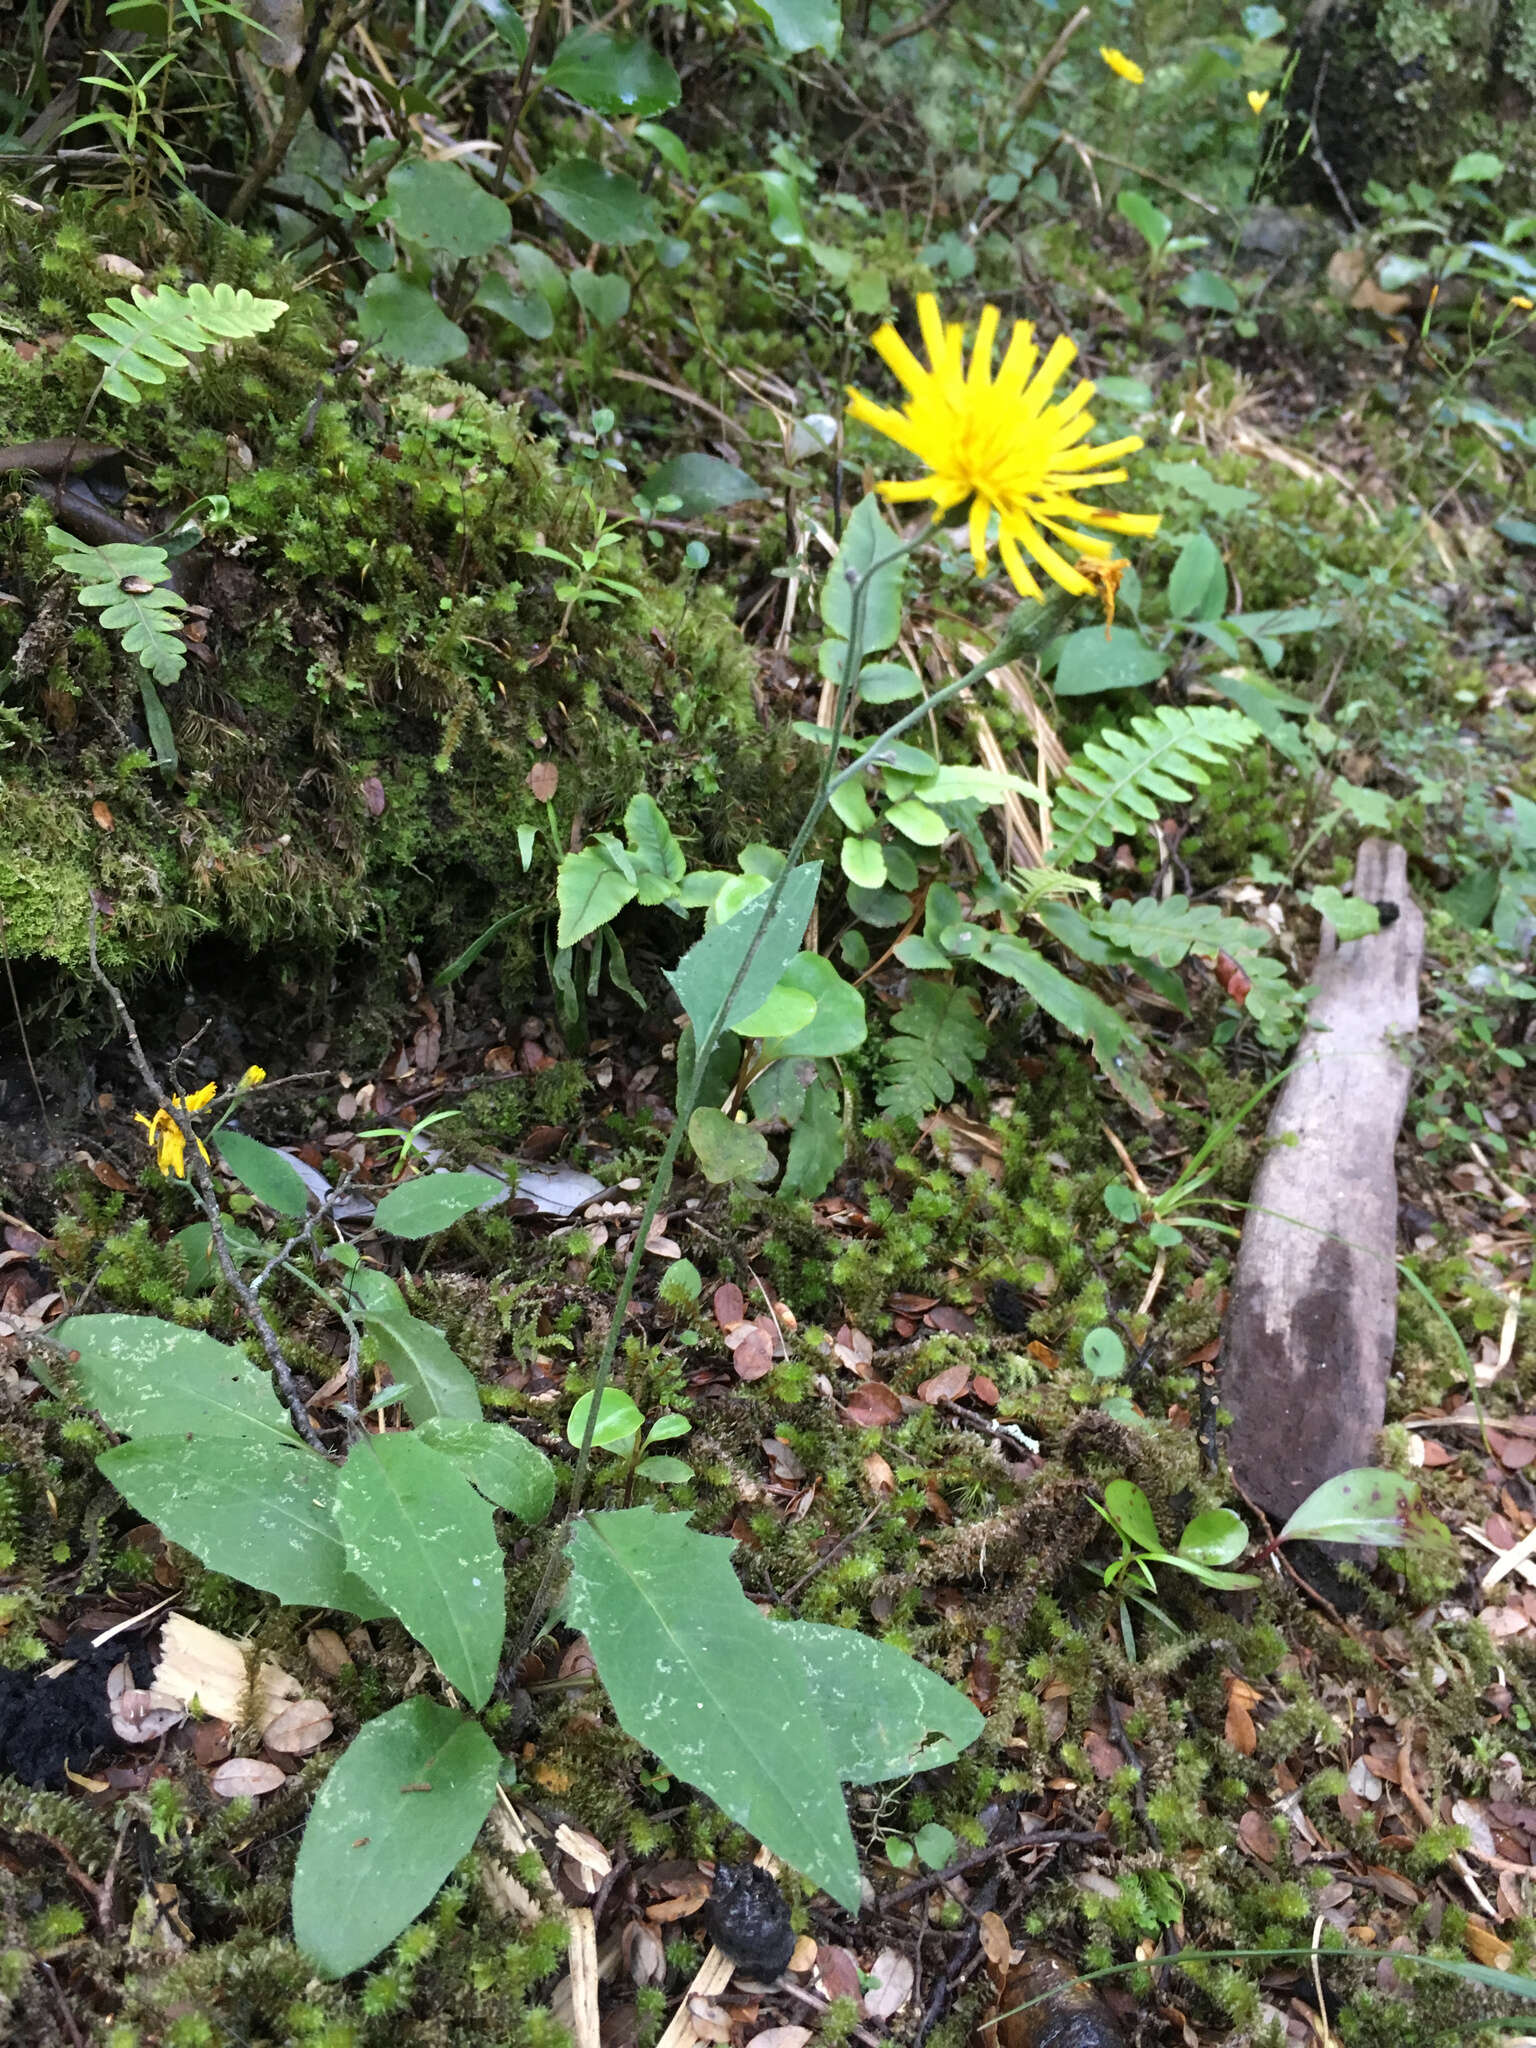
[
  {"x": 425, "y": 1541},
  {"x": 146, "y": 1377},
  {"x": 703, "y": 1679}
]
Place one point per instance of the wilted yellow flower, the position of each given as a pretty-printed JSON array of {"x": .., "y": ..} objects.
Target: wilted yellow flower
[
  {"x": 1521, "y": 304},
  {"x": 252, "y": 1077},
  {"x": 1105, "y": 579},
  {"x": 164, "y": 1136},
  {"x": 1001, "y": 444},
  {"x": 1258, "y": 101},
  {"x": 1122, "y": 66}
]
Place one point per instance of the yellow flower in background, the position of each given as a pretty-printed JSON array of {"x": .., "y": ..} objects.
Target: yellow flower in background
[
  {"x": 163, "y": 1134},
  {"x": 1122, "y": 66},
  {"x": 1522, "y": 304},
  {"x": 1258, "y": 101},
  {"x": 252, "y": 1077},
  {"x": 1002, "y": 445}
]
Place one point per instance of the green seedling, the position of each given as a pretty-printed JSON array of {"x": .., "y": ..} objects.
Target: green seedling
[{"x": 618, "y": 1429}]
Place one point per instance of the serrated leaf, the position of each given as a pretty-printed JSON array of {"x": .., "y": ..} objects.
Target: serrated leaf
[
  {"x": 1121, "y": 781},
  {"x": 1361, "y": 1506},
  {"x": 398, "y": 1811},
  {"x": 884, "y": 1714},
  {"x": 254, "y": 1508},
  {"x": 421, "y": 1208},
  {"x": 432, "y": 1380},
  {"x": 935, "y": 1041},
  {"x": 146, "y": 1377},
  {"x": 867, "y": 540},
  {"x": 816, "y": 1145},
  {"x": 700, "y": 1677},
  {"x": 269, "y": 1176},
  {"x": 591, "y": 892},
  {"x": 420, "y": 1536}
]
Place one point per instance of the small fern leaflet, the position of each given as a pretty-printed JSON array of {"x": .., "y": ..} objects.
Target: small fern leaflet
[
  {"x": 1121, "y": 780},
  {"x": 156, "y": 332},
  {"x": 129, "y": 586},
  {"x": 936, "y": 1039}
]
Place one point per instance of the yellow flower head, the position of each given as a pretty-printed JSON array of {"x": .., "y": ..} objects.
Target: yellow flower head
[
  {"x": 1521, "y": 304},
  {"x": 252, "y": 1077},
  {"x": 163, "y": 1134},
  {"x": 1002, "y": 444},
  {"x": 1122, "y": 66},
  {"x": 1258, "y": 101}
]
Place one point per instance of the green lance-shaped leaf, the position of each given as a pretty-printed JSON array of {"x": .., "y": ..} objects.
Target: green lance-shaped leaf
[
  {"x": 146, "y": 1377},
  {"x": 421, "y": 1208},
  {"x": 270, "y": 1177},
  {"x": 422, "y": 1538},
  {"x": 256, "y": 1510},
  {"x": 400, "y": 1809},
  {"x": 704, "y": 1680},
  {"x": 432, "y": 1379}
]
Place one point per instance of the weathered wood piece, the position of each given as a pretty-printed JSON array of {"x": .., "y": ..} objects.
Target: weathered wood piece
[{"x": 1313, "y": 1321}]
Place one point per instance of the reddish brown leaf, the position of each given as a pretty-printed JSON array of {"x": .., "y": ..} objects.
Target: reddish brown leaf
[
  {"x": 1042, "y": 1354},
  {"x": 986, "y": 1390},
  {"x": 109, "y": 1177},
  {"x": 752, "y": 1358},
  {"x": 948, "y": 1385},
  {"x": 954, "y": 1322},
  {"x": 996, "y": 1944},
  {"x": 1435, "y": 1453},
  {"x": 543, "y": 780},
  {"x": 1234, "y": 982},
  {"x": 102, "y": 815},
  {"x": 854, "y": 1350},
  {"x": 730, "y": 1308},
  {"x": 872, "y": 1405},
  {"x": 1102, "y": 1754},
  {"x": 981, "y": 1681},
  {"x": 1511, "y": 1451},
  {"x": 912, "y": 1304},
  {"x": 1240, "y": 1731},
  {"x": 839, "y": 1974}
]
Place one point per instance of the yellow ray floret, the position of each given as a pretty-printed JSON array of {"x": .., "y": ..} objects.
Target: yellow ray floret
[
  {"x": 1002, "y": 444},
  {"x": 1122, "y": 66},
  {"x": 164, "y": 1136}
]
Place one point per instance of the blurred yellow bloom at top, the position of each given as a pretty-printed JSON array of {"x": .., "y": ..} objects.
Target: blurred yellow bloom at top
[
  {"x": 163, "y": 1134},
  {"x": 252, "y": 1077},
  {"x": 1122, "y": 66},
  {"x": 1003, "y": 445},
  {"x": 1258, "y": 101},
  {"x": 1522, "y": 304}
]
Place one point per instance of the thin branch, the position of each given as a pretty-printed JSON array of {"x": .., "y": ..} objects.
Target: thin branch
[
  {"x": 298, "y": 94},
  {"x": 931, "y": 19},
  {"x": 208, "y": 1195},
  {"x": 1024, "y": 105}
]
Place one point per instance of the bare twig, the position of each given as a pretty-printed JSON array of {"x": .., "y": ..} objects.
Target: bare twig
[
  {"x": 902, "y": 30},
  {"x": 1042, "y": 1838},
  {"x": 1024, "y": 105},
  {"x": 298, "y": 93}
]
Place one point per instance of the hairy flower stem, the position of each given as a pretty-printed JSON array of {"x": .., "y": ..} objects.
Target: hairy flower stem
[{"x": 1025, "y": 630}]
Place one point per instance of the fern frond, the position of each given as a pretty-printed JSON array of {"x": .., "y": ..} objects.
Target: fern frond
[
  {"x": 155, "y": 332},
  {"x": 936, "y": 1039},
  {"x": 1039, "y": 885},
  {"x": 129, "y": 586},
  {"x": 1122, "y": 780},
  {"x": 1167, "y": 932}
]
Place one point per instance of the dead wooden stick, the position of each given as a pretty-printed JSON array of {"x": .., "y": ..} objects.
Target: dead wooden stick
[{"x": 1313, "y": 1322}]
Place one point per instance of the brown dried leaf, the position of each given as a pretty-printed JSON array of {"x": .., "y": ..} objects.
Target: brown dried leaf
[
  {"x": 328, "y": 1652},
  {"x": 894, "y": 1977},
  {"x": 102, "y": 816},
  {"x": 246, "y": 1777},
  {"x": 729, "y": 1306},
  {"x": 996, "y": 1945},
  {"x": 882, "y": 1480},
  {"x": 142, "y": 1716},
  {"x": 752, "y": 1358},
  {"x": 948, "y": 1385},
  {"x": 299, "y": 1729},
  {"x": 543, "y": 780},
  {"x": 1257, "y": 1834},
  {"x": 953, "y": 1321},
  {"x": 838, "y": 1971},
  {"x": 872, "y": 1405}
]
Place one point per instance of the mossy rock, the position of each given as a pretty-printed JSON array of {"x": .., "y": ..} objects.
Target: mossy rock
[
  {"x": 384, "y": 660},
  {"x": 1402, "y": 88}
]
